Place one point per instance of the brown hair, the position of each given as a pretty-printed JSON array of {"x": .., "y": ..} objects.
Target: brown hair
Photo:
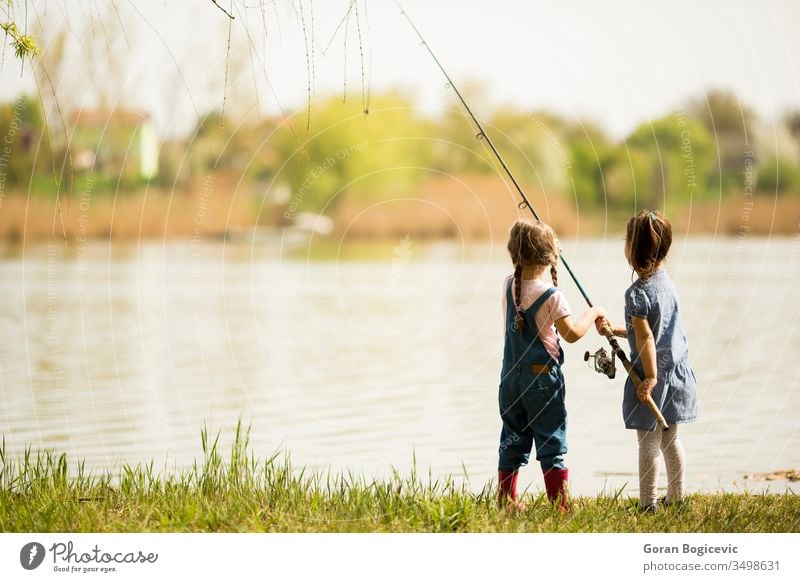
[
  {"x": 530, "y": 244},
  {"x": 648, "y": 237}
]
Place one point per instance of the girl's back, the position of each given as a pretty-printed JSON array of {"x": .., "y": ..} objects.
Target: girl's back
[
  {"x": 661, "y": 354},
  {"x": 656, "y": 299}
]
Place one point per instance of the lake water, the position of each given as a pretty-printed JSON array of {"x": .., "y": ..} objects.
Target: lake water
[{"x": 362, "y": 357}]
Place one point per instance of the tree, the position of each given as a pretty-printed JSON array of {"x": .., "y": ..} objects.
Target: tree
[
  {"x": 376, "y": 157},
  {"x": 21, "y": 124},
  {"x": 534, "y": 145},
  {"x": 777, "y": 175},
  {"x": 627, "y": 177},
  {"x": 731, "y": 126},
  {"x": 680, "y": 157},
  {"x": 589, "y": 148},
  {"x": 792, "y": 121}
]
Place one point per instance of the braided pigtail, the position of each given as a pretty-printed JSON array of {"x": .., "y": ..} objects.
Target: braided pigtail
[
  {"x": 532, "y": 246},
  {"x": 518, "y": 320}
]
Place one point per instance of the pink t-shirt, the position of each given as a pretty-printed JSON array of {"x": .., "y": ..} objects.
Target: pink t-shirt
[{"x": 554, "y": 308}]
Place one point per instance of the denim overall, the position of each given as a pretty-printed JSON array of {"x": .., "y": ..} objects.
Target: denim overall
[{"x": 531, "y": 401}]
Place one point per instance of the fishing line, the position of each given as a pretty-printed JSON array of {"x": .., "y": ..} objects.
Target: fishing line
[{"x": 525, "y": 203}]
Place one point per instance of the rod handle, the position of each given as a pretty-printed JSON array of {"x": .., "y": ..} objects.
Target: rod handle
[
  {"x": 657, "y": 413},
  {"x": 650, "y": 403}
]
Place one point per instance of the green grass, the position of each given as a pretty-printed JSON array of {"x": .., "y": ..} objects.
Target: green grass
[{"x": 242, "y": 493}]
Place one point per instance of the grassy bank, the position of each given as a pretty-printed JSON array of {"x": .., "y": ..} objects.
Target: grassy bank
[{"x": 41, "y": 493}]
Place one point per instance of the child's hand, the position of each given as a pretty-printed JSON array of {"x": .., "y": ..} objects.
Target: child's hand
[
  {"x": 603, "y": 326},
  {"x": 645, "y": 388}
]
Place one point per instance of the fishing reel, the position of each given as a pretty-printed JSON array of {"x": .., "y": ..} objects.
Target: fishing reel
[{"x": 602, "y": 363}]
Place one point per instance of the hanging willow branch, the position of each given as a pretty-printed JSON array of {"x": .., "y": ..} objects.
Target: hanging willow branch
[
  {"x": 24, "y": 45},
  {"x": 228, "y": 14}
]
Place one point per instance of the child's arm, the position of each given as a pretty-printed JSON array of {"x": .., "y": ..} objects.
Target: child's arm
[
  {"x": 646, "y": 346},
  {"x": 572, "y": 331}
]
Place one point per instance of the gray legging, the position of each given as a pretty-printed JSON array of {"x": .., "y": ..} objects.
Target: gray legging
[{"x": 651, "y": 444}]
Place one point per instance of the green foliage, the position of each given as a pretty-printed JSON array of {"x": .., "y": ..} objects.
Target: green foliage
[
  {"x": 535, "y": 145},
  {"x": 218, "y": 143},
  {"x": 663, "y": 163},
  {"x": 456, "y": 147},
  {"x": 23, "y": 44},
  {"x": 628, "y": 175},
  {"x": 375, "y": 156},
  {"x": 238, "y": 492},
  {"x": 792, "y": 122},
  {"x": 589, "y": 148},
  {"x": 692, "y": 153},
  {"x": 731, "y": 125},
  {"x": 23, "y": 140},
  {"x": 671, "y": 161},
  {"x": 722, "y": 113},
  {"x": 778, "y": 175}
]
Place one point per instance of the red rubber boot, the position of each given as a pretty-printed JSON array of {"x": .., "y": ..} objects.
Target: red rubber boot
[
  {"x": 555, "y": 483},
  {"x": 507, "y": 490}
]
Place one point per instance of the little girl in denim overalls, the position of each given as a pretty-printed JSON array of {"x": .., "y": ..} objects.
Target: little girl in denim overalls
[
  {"x": 660, "y": 355},
  {"x": 531, "y": 384}
]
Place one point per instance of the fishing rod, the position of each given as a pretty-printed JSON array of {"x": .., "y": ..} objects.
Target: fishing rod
[{"x": 606, "y": 367}]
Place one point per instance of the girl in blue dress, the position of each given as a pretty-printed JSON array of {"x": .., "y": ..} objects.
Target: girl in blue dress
[
  {"x": 660, "y": 355},
  {"x": 531, "y": 384}
]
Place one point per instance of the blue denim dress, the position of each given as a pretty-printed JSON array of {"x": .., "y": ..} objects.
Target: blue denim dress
[
  {"x": 675, "y": 393},
  {"x": 531, "y": 400}
]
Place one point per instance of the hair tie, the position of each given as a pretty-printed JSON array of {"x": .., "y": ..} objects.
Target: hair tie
[{"x": 653, "y": 216}]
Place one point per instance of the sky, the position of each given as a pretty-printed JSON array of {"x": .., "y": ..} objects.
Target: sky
[{"x": 618, "y": 63}]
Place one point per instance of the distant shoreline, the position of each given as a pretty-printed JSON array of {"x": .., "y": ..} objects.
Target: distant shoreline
[{"x": 478, "y": 208}]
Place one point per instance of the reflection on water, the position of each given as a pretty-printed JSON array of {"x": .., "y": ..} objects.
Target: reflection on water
[{"x": 363, "y": 361}]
